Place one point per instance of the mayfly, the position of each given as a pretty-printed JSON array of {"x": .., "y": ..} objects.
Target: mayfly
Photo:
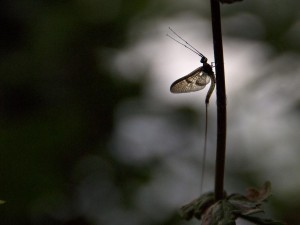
[{"x": 195, "y": 81}]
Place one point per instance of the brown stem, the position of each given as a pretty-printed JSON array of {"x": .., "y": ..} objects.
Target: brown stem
[{"x": 221, "y": 99}]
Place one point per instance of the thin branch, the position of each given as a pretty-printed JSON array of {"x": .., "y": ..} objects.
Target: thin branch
[{"x": 221, "y": 99}]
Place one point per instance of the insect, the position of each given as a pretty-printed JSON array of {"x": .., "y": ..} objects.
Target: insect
[{"x": 195, "y": 81}]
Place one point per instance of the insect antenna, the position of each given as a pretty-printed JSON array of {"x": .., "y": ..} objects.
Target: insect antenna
[{"x": 188, "y": 46}]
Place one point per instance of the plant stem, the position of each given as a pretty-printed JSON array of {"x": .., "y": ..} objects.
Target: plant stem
[{"x": 221, "y": 100}]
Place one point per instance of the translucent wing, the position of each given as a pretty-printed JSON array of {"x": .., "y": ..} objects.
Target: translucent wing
[{"x": 194, "y": 81}]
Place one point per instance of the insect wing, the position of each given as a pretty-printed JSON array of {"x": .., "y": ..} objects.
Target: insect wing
[{"x": 194, "y": 81}]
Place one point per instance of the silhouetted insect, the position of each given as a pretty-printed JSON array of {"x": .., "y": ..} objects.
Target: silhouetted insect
[{"x": 195, "y": 81}]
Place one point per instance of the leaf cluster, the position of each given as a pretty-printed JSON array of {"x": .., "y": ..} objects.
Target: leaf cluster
[{"x": 229, "y": 209}]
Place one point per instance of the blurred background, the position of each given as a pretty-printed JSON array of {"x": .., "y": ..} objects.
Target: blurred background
[{"x": 90, "y": 133}]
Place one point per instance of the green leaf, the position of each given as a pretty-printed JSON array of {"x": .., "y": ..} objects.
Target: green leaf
[
  {"x": 244, "y": 205},
  {"x": 197, "y": 207},
  {"x": 220, "y": 213}
]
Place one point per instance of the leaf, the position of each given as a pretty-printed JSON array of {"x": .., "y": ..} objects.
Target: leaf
[
  {"x": 197, "y": 207},
  {"x": 244, "y": 205},
  {"x": 259, "y": 195},
  {"x": 226, "y": 211},
  {"x": 2, "y": 202},
  {"x": 220, "y": 213}
]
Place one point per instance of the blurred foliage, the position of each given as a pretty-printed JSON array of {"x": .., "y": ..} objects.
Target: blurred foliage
[
  {"x": 56, "y": 104},
  {"x": 59, "y": 99}
]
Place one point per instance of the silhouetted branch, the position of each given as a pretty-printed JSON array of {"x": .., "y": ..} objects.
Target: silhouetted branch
[{"x": 221, "y": 99}]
